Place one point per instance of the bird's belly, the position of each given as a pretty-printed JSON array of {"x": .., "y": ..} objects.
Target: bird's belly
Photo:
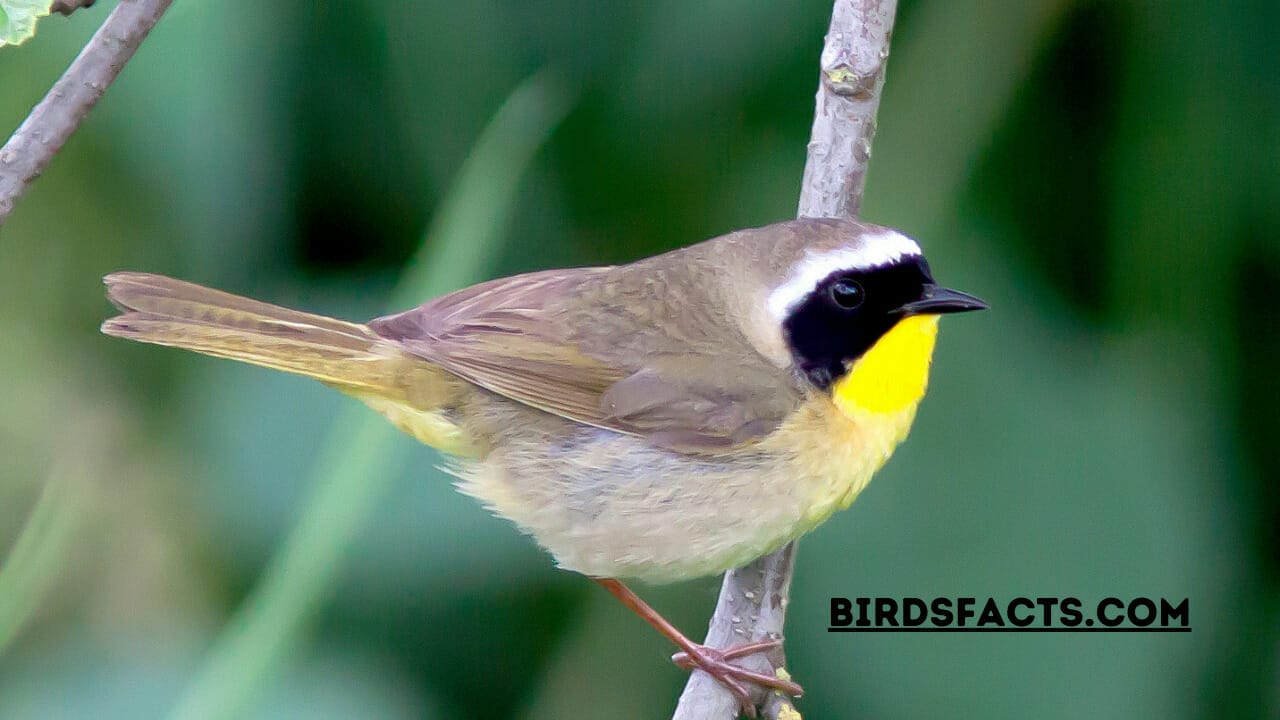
[{"x": 611, "y": 505}]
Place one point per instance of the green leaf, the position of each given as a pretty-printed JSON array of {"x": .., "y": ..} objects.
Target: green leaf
[
  {"x": 18, "y": 19},
  {"x": 38, "y": 555}
]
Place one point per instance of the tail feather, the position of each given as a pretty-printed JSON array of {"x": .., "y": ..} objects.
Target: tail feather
[{"x": 164, "y": 311}]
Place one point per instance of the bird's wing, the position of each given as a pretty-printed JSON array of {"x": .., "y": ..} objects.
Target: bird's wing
[{"x": 579, "y": 344}]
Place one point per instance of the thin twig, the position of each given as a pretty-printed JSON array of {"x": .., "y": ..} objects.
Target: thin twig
[
  {"x": 40, "y": 137},
  {"x": 752, "y": 606},
  {"x": 844, "y": 119},
  {"x": 753, "y": 600},
  {"x": 66, "y": 7},
  {"x": 39, "y": 553}
]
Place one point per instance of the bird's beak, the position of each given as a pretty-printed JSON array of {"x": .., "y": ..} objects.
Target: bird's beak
[{"x": 937, "y": 300}]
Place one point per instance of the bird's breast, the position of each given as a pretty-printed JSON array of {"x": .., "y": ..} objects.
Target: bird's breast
[
  {"x": 838, "y": 443},
  {"x": 834, "y": 451}
]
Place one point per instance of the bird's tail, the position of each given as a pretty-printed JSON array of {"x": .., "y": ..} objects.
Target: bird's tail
[
  {"x": 164, "y": 311},
  {"x": 411, "y": 392}
]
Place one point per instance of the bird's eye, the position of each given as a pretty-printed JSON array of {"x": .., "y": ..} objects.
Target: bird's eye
[{"x": 846, "y": 293}]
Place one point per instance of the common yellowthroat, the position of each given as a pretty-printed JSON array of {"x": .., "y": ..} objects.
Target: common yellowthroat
[{"x": 667, "y": 419}]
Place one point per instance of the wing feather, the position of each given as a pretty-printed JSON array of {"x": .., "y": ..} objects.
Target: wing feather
[{"x": 527, "y": 338}]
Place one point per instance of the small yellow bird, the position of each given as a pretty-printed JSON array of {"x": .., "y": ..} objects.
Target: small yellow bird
[{"x": 667, "y": 419}]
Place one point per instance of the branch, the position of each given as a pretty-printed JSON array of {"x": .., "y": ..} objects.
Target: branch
[
  {"x": 66, "y": 7},
  {"x": 752, "y": 606},
  {"x": 50, "y": 124},
  {"x": 844, "y": 120},
  {"x": 753, "y": 600}
]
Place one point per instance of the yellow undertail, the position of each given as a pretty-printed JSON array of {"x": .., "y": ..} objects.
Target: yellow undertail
[{"x": 348, "y": 356}]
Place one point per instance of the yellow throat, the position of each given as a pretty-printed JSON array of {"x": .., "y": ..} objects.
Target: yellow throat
[{"x": 893, "y": 374}]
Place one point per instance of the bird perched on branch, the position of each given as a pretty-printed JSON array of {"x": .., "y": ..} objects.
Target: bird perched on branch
[{"x": 667, "y": 419}]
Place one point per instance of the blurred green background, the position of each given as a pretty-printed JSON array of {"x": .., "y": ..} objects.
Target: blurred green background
[{"x": 1106, "y": 173}]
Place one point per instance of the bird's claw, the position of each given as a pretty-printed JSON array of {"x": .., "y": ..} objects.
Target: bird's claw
[{"x": 716, "y": 663}]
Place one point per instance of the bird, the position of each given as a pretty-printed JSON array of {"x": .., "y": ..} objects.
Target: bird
[{"x": 661, "y": 420}]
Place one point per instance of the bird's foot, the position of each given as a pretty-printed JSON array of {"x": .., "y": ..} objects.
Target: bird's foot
[
  {"x": 713, "y": 661},
  {"x": 717, "y": 663}
]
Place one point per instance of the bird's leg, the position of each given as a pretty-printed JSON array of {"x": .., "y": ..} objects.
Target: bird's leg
[{"x": 710, "y": 660}]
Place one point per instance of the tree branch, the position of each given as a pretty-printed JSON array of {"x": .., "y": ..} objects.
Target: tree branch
[
  {"x": 66, "y": 7},
  {"x": 753, "y": 600},
  {"x": 40, "y": 137},
  {"x": 844, "y": 119}
]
